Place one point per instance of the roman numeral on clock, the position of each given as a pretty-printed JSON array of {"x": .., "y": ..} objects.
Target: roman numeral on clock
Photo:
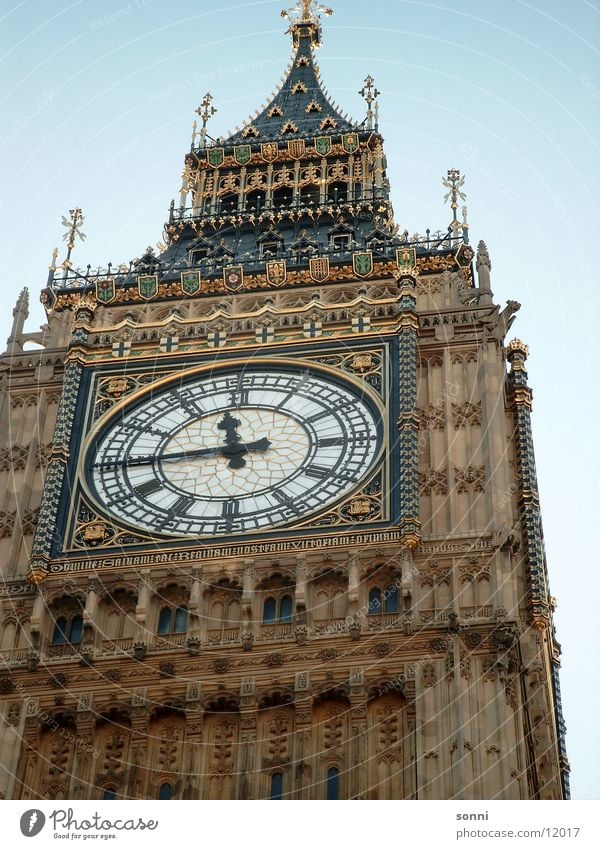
[
  {"x": 286, "y": 499},
  {"x": 181, "y": 506},
  {"x": 317, "y": 472},
  {"x": 148, "y": 487},
  {"x": 330, "y": 442}
]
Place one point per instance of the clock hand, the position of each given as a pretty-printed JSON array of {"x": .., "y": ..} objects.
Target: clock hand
[
  {"x": 234, "y": 450},
  {"x": 147, "y": 459}
]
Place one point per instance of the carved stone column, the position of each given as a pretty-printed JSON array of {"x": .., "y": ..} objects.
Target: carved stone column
[
  {"x": 248, "y": 773},
  {"x": 82, "y": 778},
  {"x": 194, "y": 606},
  {"x": 138, "y": 773},
  {"x": 194, "y": 720},
  {"x": 10, "y": 746},
  {"x": 302, "y": 752},
  {"x": 358, "y": 773},
  {"x": 45, "y": 537},
  {"x": 408, "y": 421},
  {"x": 247, "y": 627}
]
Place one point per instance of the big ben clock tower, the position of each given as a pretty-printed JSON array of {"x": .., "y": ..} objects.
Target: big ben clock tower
[{"x": 283, "y": 536}]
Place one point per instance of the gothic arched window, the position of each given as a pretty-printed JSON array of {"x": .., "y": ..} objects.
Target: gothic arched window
[
  {"x": 165, "y": 791},
  {"x": 286, "y": 608},
  {"x": 374, "y": 601},
  {"x": 333, "y": 783},
  {"x": 270, "y": 611},
  {"x": 59, "y": 636},
  {"x": 109, "y": 793},
  {"x": 164, "y": 621},
  {"x": 76, "y": 630},
  {"x": 276, "y": 786},
  {"x": 391, "y": 599},
  {"x": 172, "y": 620}
]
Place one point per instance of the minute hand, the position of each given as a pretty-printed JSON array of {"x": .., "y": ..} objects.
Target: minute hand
[{"x": 148, "y": 459}]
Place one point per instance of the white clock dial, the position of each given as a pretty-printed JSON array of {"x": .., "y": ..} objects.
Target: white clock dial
[{"x": 234, "y": 452}]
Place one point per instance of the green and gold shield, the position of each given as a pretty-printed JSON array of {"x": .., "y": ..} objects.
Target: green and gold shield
[
  {"x": 190, "y": 282},
  {"x": 323, "y": 145},
  {"x": 350, "y": 142},
  {"x": 406, "y": 259},
  {"x": 216, "y": 157},
  {"x": 242, "y": 154},
  {"x": 148, "y": 286},
  {"x": 105, "y": 290},
  {"x": 362, "y": 263}
]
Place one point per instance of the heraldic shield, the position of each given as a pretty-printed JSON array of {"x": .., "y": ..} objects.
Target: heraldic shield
[
  {"x": 350, "y": 142},
  {"x": 269, "y": 151},
  {"x": 242, "y": 154},
  {"x": 276, "y": 272},
  {"x": 190, "y": 282},
  {"x": 148, "y": 286},
  {"x": 297, "y": 148},
  {"x": 406, "y": 259},
  {"x": 319, "y": 268},
  {"x": 362, "y": 263},
  {"x": 323, "y": 145},
  {"x": 105, "y": 290},
  {"x": 233, "y": 277},
  {"x": 216, "y": 156}
]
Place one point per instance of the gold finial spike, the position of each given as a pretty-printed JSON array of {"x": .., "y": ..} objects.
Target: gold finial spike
[
  {"x": 369, "y": 93},
  {"x": 73, "y": 225},
  {"x": 454, "y": 183},
  {"x": 206, "y": 110},
  {"x": 306, "y": 11}
]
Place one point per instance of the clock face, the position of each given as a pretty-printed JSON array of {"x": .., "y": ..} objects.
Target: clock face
[{"x": 232, "y": 452}]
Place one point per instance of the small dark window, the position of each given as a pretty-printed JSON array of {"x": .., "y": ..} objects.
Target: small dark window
[
  {"x": 165, "y": 791},
  {"x": 341, "y": 242},
  {"x": 337, "y": 192},
  {"x": 282, "y": 198},
  {"x": 228, "y": 203},
  {"x": 164, "y": 621},
  {"x": 76, "y": 630},
  {"x": 374, "y": 601},
  {"x": 59, "y": 637},
  {"x": 276, "y": 786},
  {"x": 310, "y": 194},
  {"x": 391, "y": 599},
  {"x": 199, "y": 255},
  {"x": 255, "y": 201},
  {"x": 270, "y": 611},
  {"x": 109, "y": 793},
  {"x": 333, "y": 783},
  {"x": 269, "y": 249},
  {"x": 286, "y": 609}
]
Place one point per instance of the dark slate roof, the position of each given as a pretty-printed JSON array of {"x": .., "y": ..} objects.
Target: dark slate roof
[{"x": 302, "y": 73}]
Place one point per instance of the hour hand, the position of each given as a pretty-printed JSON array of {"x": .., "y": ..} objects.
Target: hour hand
[
  {"x": 259, "y": 445},
  {"x": 235, "y": 452}
]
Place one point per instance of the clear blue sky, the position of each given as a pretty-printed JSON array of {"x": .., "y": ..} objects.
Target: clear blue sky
[{"x": 97, "y": 102}]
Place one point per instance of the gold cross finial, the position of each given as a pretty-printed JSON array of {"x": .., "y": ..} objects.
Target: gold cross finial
[
  {"x": 306, "y": 11},
  {"x": 370, "y": 94},
  {"x": 206, "y": 110},
  {"x": 454, "y": 184},
  {"x": 73, "y": 224}
]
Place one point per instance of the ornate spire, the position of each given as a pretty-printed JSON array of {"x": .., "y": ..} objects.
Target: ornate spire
[
  {"x": 73, "y": 225},
  {"x": 370, "y": 94},
  {"x": 20, "y": 315},
  {"x": 206, "y": 110},
  {"x": 305, "y": 19},
  {"x": 454, "y": 184}
]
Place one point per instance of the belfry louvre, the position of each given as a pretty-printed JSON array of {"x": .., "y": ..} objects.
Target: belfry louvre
[{"x": 270, "y": 523}]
